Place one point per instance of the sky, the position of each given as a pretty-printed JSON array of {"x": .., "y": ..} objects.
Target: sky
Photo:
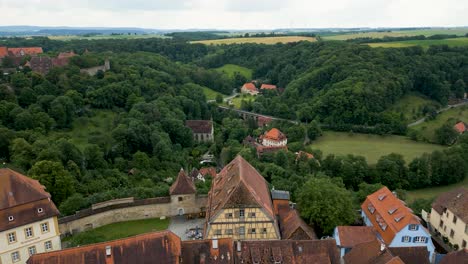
[{"x": 234, "y": 14}]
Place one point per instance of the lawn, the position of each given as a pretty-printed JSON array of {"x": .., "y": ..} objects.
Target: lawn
[
  {"x": 411, "y": 106},
  {"x": 372, "y": 147},
  {"x": 427, "y": 129},
  {"x": 210, "y": 94},
  {"x": 231, "y": 69},
  {"x": 453, "y": 42},
  {"x": 236, "y": 101},
  {"x": 117, "y": 231},
  {"x": 433, "y": 192},
  {"x": 265, "y": 40},
  {"x": 400, "y": 33}
]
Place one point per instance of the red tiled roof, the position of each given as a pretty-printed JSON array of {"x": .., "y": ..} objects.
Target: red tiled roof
[
  {"x": 239, "y": 183},
  {"x": 66, "y": 55},
  {"x": 160, "y": 247},
  {"x": 292, "y": 226},
  {"x": 249, "y": 86},
  {"x": 456, "y": 257},
  {"x": 208, "y": 171},
  {"x": 371, "y": 252},
  {"x": 182, "y": 185},
  {"x": 22, "y": 51},
  {"x": 202, "y": 251},
  {"x": 3, "y": 52},
  {"x": 350, "y": 236},
  {"x": 275, "y": 134},
  {"x": 200, "y": 126},
  {"x": 268, "y": 86},
  {"x": 455, "y": 200},
  {"x": 390, "y": 212},
  {"x": 460, "y": 127}
]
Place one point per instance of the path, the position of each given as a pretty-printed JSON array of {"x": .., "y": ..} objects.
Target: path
[{"x": 438, "y": 112}]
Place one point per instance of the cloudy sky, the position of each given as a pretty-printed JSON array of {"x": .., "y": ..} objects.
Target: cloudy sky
[{"x": 234, "y": 14}]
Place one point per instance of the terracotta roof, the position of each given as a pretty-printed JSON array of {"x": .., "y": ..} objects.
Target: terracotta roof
[
  {"x": 22, "y": 51},
  {"x": 456, "y": 257},
  {"x": 350, "y": 236},
  {"x": 160, "y": 247},
  {"x": 289, "y": 252},
  {"x": 456, "y": 201},
  {"x": 460, "y": 127},
  {"x": 372, "y": 252},
  {"x": 239, "y": 184},
  {"x": 249, "y": 86},
  {"x": 268, "y": 86},
  {"x": 275, "y": 134},
  {"x": 202, "y": 251},
  {"x": 208, "y": 171},
  {"x": 292, "y": 226},
  {"x": 3, "y": 52},
  {"x": 182, "y": 185},
  {"x": 200, "y": 126},
  {"x": 418, "y": 255},
  {"x": 390, "y": 213}
]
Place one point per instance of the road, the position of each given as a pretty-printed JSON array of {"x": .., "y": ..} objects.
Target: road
[
  {"x": 438, "y": 112},
  {"x": 226, "y": 99}
]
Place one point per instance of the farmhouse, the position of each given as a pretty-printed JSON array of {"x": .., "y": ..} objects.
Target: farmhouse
[
  {"x": 249, "y": 88},
  {"x": 28, "y": 218},
  {"x": 202, "y": 130},
  {"x": 274, "y": 138}
]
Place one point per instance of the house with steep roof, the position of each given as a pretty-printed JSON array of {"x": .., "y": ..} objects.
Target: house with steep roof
[
  {"x": 239, "y": 204},
  {"x": 372, "y": 252},
  {"x": 449, "y": 216},
  {"x": 183, "y": 194},
  {"x": 395, "y": 223},
  {"x": 24, "y": 51},
  {"x": 3, "y": 52},
  {"x": 347, "y": 237},
  {"x": 249, "y": 88},
  {"x": 274, "y": 138},
  {"x": 202, "y": 130},
  {"x": 208, "y": 251},
  {"x": 28, "y": 218}
]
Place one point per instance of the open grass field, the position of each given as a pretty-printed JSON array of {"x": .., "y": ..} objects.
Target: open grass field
[
  {"x": 427, "y": 128},
  {"x": 125, "y": 36},
  {"x": 266, "y": 40},
  {"x": 433, "y": 192},
  {"x": 411, "y": 106},
  {"x": 236, "y": 101},
  {"x": 372, "y": 147},
  {"x": 400, "y": 33},
  {"x": 454, "y": 42},
  {"x": 231, "y": 69},
  {"x": 210, "y": 94},
  {"x": 117, "y": 231}
]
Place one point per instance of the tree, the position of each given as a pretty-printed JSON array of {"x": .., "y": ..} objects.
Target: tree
[
  {"x": 313, "y": 130},
  {"x": 219, "y": 98},
  {"x": 94, "y": 158},
  {"x": 392, "y": 171},
  {"x": 326, "y": 205},
  {"x": 446, "y": 134},
  {"x": 459, "y": 88},
  {"x": 365, "y": 189},
  {"x": 72, "y": 204}
]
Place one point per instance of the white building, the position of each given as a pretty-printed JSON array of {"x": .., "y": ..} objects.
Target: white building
[
  {"x": 274, "y": 138},
  {"x": 28, "y": 218}
]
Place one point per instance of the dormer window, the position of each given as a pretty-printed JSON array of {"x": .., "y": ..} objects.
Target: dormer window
[
  {"x": 371, "y": 208},
  {"x": 413, "y": 227},
  {"x": 392, "y": 210},
  {"x": 398, "y": 219},
  {"x": 382, "y": 196},
  {"x": 11, "y": 218},
  {"x": 40, "y": 210}
]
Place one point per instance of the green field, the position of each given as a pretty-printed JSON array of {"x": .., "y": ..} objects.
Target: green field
[
  {"x": 236, "y": 101},
  {"x": 400, "y": 33},
  {"x": 265, "y": 40},
  {"x": 427, "y": 129},
  {"x": 231, "y": 69},
  {"x": 434, "y": 191},
  {"x": 411, "y": 106},
  {"x": 125, "y": 36},
  {"x": 210, "y": 94},
  {"x": 372, "y": 147},
  {"x": 454, "y": 42},
  {"x": 117, "y": 231}
]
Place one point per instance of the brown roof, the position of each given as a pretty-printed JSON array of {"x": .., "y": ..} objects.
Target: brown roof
[
  {"x": 418, "y": 255},
  {"x": 372, "y": 252},
  {"x": 263, "y": 120},
  {"x": 3, "y": 52},
  {"x": 41, "y": 65},
  {"x": 292, "y": 226},
  {"x": 268, "y": 86},
  {"x": 350, "y": 236},
  {"x": 460, "y": 127},
  {"x": 66, "y": 55},
  {"x": 456, "y": 257},
  {"x": 289, "y": 252},
  {"x": 24, "y": 51},
  {"x": 456, "y": 201},
  {"x": 157, "y": 247},
  {"x": 202, "y": 251},
  {"x": 275, "y": 134},
  {"x": 390, "y": 213},
  {"x": 208, "y": 171},
  {"x": 182, "y": 185},
  {"x": 264, "y": 149},
  {"x": 21, "y": 197},
  {"x": 200, "y": 126},
  {"x": 239, "y": 184},
  {"x": 304, "y": 154},
  {"x": 249, "y": 86}
]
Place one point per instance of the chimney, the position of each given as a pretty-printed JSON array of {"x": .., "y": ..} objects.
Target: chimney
[
  {"x": 215, "y": 243},
  {"x": 108, "y": 251},
  {"x": 239, "y": 246}
]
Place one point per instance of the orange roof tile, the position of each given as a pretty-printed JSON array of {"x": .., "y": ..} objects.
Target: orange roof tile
[
  {"x": 249, "y": 86},
  {"x": 208, "y": 171},
  {"x": 22, "y": 51},
  {"x": 3, "y": 52},
  {"x": 304, "y": 154},
  {"x": 390, "y": 213},
  {"x": 268, "y": 86},
  {"x": 275, "y": 134},
  {"x": 460, "y": 127}
]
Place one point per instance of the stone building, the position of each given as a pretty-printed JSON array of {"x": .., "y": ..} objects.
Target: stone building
[
  {"x": 202, "y": 130},
  {"x": 183, "y": 194},
  {"x": 28, "y": 218}
]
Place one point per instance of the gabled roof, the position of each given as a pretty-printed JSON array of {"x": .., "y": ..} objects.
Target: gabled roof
[
  {"x": 66, "y": 55},
  {"x": 3, "y": 52},
  {"x": 456, "y": 257},
  {"x": 350, "y": 236},
  {"x": 211, "y": 171},
  {"x": 304, "y": 154},
  {"x": 24, "y": 51},
  {"x": 390, "y": 213},
  {"x": 161, "y": 247},
  {"x": 238, "y": 184},
  {"x": 202, "y": 251},
  {"x": 460, "y": 127},
  {"x": 456, "y": 201},
  {"x": 268, "y": 86},
  {"x": 249, "y": 86},
  {"x": 292, "y": 226},
  {"x": 274, "y": 134},
  {"x": 200, "y": 126},
  {"x": 418, "y": 255},
  {"x": 182, "y": 185},
  {"x": 372, "y": 252}
]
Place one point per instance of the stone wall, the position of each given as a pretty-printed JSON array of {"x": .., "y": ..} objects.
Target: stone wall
[{"x": 139, "y": 209}]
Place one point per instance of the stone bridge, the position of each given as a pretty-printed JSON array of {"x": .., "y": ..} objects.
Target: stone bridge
[{"x": 259, "y": 118}]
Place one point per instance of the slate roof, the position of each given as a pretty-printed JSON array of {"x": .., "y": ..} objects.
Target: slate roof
[
  {"x": 418, "y": 255},
  {"x": 288, "y": 252},
  {"x": 238, "y": 184},
  {"x": 200, "y": 126},
  {"x": 390, "y": 213},
  {"x": 157, "y": 247},
  {"x": 275, "y": 134},
  {"x": 456, "y": 201},
  {"x": 280, "y": 195},
  {"x": 456, "y": 257},
  {"x": 202, "y": 251},
  {"x": 350, "y": 236},
  {"x": 20, "y": 197},
  {"x": 182, "y": 185}
]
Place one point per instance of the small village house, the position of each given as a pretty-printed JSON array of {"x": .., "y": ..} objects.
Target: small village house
[
  {"x": 249, "y": 88},
  {"x": 268, "y": 87},
  {"x": 202, "y": 130},
  {"x": 274, "y": 138}
]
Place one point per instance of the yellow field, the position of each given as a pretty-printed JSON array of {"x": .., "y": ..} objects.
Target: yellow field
[
  {"x": 398, "y": 33},
  {"x": 266, "y": 40}
]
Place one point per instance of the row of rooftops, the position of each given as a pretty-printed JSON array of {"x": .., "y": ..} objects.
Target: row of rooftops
[
  {"x": 252, "y": 87},
  {"x": 19, "y": 52}
]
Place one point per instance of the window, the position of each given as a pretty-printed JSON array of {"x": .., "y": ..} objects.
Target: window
[
  {"x": 28, "y": 232},
  {"x": 264, "y": 230},
  {"x": 441, "y": 223},
  {"x": 45, "y": 227},
  {"x": 48, "y": 245},
  {"x": 242, "y": 230},
  {"x": 218, "y": 232},
  {"x": 15, "y": 256},
  {"x": 406, "y": 239},
  {"x": 241, "y": 213},
  {"x": 420, "y": 239},
  {"x": 452, "y": 233},
  {"x": 181, "y": 199},
  {"x": 40, "y": 210},
  {"x": 463, "y": 244},
  {"x": 253, "y": 231},
  {"x": 454, "y": 219},
  {"x": 413, "y": 227},
  {"x": 466, "y": 229},
  {"x": 10, "y": 218},
  {"x": 228, "y": 231},
  {"x": 371, "y": 208},
  {"x": 32, "y": 250},
  {"x": 253, "y": 215},
  {"x": 11, "y": 237}
]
